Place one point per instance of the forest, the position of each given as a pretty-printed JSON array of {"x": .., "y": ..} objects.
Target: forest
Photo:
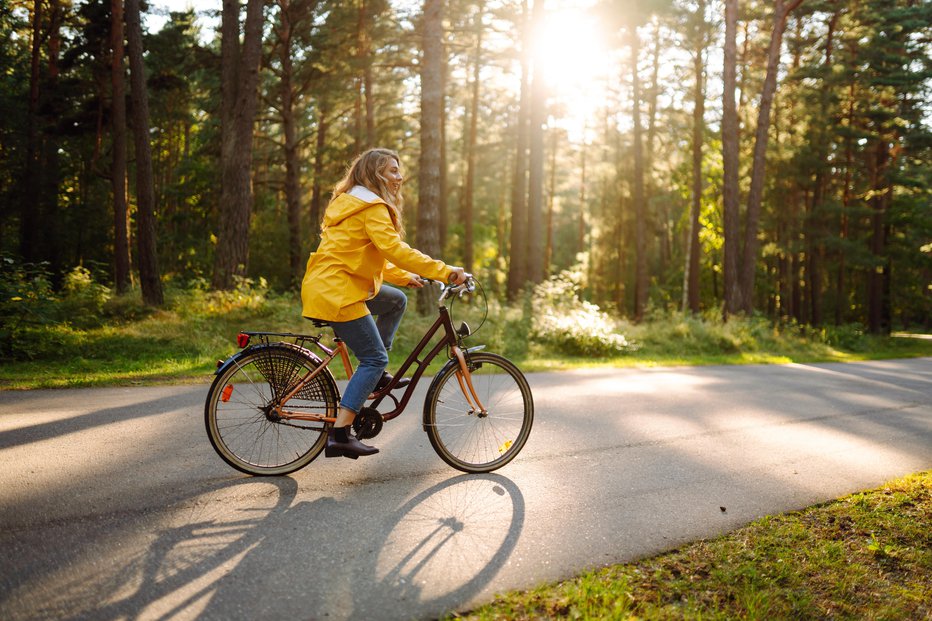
[{"x": 748, "y": 157}]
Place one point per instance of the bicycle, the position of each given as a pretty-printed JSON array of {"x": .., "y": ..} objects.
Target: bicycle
[{"x": 272, "y": 403}]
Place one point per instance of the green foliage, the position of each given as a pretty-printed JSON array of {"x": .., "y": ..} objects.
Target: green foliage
[
  {"x": 563, "y": 321},
  {"x": 83, "y": 299},
  {"x": 864, "y": 556},
  {"x": 26, "y": 302}
]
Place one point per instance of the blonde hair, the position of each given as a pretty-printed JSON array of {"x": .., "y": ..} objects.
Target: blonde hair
[{"x": 368, "y": 170}]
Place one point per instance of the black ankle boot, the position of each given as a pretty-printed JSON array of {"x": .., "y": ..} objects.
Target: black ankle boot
[
  {"x": 386, "y": 378},
  {"x": 340, "y": 443}
]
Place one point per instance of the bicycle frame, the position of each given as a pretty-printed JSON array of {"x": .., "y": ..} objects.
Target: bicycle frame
[{"x": 449, "y": 340}]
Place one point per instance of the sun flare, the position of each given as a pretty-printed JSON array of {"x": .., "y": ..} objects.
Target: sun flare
[{"x": 570, "y": 52}]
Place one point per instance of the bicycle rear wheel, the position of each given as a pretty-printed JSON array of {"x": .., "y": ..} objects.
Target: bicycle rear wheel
[
  {"x": 240, "y": 419},
  {"x": 474, "y": 441}
]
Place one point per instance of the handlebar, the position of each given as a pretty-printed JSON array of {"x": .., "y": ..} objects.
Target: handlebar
[{"x": 449, "y": 290}]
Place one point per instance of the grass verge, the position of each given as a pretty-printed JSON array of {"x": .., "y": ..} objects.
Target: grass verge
[
  {"x": 123, "y": 343},
  {"x": 865, "y": 556}
]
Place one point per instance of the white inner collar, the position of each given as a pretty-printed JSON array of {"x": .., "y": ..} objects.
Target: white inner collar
[{"x": 364, "y": 193}]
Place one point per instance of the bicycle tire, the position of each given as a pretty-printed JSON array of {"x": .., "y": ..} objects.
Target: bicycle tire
[
  {"x": 470, "y": 441},
  {"x": 237, "y": 411}
]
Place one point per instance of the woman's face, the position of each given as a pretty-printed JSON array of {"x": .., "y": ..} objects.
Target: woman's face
[{"x": 393, "y": 174}]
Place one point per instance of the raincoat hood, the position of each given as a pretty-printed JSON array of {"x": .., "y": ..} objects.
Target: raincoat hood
[{"x": 349, "y": 204}]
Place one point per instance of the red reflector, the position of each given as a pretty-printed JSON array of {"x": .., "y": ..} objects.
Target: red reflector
[
  {"x": 242, "y": 339},
  {"x": 227, "y": 391}
]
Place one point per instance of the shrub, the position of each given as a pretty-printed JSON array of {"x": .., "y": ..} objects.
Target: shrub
[
  {"x": 571, "y": 325},
  {"x": 83, "y": 299},
  {"x": 27, "y": 302}
]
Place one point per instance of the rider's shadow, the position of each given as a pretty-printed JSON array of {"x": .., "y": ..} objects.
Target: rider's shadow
[{"x": 348, "y": 558}]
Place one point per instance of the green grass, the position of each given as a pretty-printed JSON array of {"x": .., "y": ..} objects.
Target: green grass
[
  {"x": 865, "y": 556},
  {"x": 122, "y": 343}
]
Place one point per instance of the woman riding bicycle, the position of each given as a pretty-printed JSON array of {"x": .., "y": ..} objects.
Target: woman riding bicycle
[{"x": 361, "y": 246}]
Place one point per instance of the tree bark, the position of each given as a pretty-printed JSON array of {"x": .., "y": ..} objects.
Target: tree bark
[
  {"x": 29, "y": 201},
  {"x": 149, "y": 277},
  {"x": 121, "y": 263},
  {"x": 691, "y": 271},
  {"x": 286, "y": 89},
  {"x": 640, "y": 208},
  {"x": 239, "y": 100},
  {"x": 538, "y": 113},
  {"x": 840, "y": 293},
  {"x": 517, "y": 259},
  {"x": 878, "y": 242},
  {"x": 755, "y": 194},
  {"x": 50, "y": 176},
  {"x": 551, "y": 193},
  {"x": 443, "y": 210},
  {"x": 731, "y": 219},
  {"x": 365, "y": 59},
  {"x": 471, "y": 139},
  {"x": 428, "y": 237},
  {"x": 317, "y": 208}
]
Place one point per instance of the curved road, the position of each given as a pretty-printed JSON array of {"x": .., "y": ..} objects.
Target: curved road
[{"x": 114, "y": 506}]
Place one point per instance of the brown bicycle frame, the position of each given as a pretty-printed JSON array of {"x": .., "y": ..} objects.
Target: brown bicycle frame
[{"x": 449, "y": 340}]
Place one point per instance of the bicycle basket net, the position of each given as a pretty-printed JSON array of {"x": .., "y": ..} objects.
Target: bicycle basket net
[{"x": 283, "y": 369}]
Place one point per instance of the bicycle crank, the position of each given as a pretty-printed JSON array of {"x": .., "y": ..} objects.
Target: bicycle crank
[{"x": 368, "y": 423}]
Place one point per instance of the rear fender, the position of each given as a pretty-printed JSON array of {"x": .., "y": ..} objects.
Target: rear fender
[{"x": 223, "y": 366}]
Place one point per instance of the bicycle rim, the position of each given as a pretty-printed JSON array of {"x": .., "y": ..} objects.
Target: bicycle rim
[
  {"x": 468, "y": 440},
  {"x": 238, "y": 406}
]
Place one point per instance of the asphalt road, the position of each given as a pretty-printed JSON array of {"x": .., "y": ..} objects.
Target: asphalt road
[{"x": 114, "y": 506}]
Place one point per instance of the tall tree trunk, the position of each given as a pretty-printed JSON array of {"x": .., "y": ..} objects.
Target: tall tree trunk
[
  {"x": 551, "y": 193},
  {"x": 149, "y": 276},
  {"x": 365, "y": 58},
  {"x": 29, "y": 201},
  {"x": 50, "y": 175},
  {"x": 443, "y": 209},
  {"x": 640, "y": 208},
  {"x": 731, "y": 218},
  {"x": 471, "y": 137},
  {"x": 239, "y": 100},
  {"x": 290, "y": 130},
  {"x": 317, "y": 207},
  {"x": 878, "y": 242},
  {"x": 538, "y": 115},
  {"x": 755, "y": 194},
  {"x": 581, "y": 216},
  {"x": 840, "y": 293},
  {"x": 428, "y": 237},
  {"x": 121, "y": 275},
  {"x": 517, "y": 263},
  {"x": 658, "y": 222},
  {"x": 691, "y": 272}
]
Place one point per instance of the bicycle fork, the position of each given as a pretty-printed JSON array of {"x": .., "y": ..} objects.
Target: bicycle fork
[{"x": 464, "y": 377}]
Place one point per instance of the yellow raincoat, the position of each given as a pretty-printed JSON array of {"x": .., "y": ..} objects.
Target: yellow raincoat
[{"x": 359, "y": 247}]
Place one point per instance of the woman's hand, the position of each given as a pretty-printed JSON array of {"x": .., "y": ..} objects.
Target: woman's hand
[
  {"x": 415, "y": 281},
  {"x": 458, "y": 276}
]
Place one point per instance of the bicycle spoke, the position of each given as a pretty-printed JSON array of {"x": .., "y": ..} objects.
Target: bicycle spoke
[
  {"x": 481, "y": 441},
  {"x": 241, "y": 418}
]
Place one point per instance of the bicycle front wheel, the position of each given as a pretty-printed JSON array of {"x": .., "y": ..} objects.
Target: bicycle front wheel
[
  {"x": 241, "y": 421},
  {"x": 468, "y": 438}
]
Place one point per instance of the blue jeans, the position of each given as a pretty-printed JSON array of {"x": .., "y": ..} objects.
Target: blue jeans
[{"x": 370, "y": 340}]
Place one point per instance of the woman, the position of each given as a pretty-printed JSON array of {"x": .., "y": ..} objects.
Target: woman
[{"x": 361, "y": 245}]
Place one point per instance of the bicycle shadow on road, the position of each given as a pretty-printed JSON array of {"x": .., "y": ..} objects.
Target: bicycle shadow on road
[
  {"x": 252, "y": 548},
  {"x": 351, "y": 559}
]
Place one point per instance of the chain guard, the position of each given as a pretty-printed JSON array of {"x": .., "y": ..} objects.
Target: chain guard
[{"x": 368, "y": 423}]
